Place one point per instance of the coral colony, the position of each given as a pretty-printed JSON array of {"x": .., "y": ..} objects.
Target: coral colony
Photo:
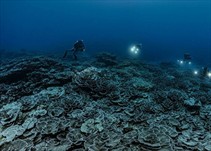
[{"x": 103, "y": 104}]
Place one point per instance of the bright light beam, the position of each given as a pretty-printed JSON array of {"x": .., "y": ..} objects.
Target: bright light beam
[
  {"x": 134, "y": 50},
  {"x": 196, "y": 72},
  {"x": 209, "y": 74}
]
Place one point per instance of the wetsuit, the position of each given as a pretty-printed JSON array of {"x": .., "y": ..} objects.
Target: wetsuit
[
  {"x": 78, "y": 46},
  {"x": 187, "y": 57}
]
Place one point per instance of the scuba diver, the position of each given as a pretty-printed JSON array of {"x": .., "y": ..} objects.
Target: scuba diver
[
  {"x": 187, "y": 57},
  {"x": 139, "y": 46},
  {"x": 78, "y": 46},
  {"x": 136, "y": 48},
  {"x": 205, "y": 72}
]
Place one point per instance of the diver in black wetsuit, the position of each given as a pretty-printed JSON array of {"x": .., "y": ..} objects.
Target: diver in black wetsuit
[
  {"x": 78, "y": 46},
  {"x": 205, "y": 72},
  {"x": 139, "y": 46},
  {"x": 187, "y": 57}
]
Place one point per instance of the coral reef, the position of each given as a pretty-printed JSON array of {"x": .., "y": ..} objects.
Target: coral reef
[
  {"x": 106, "y": 59},
  {"x": 93, "y": 82},
  {"x": 48, "y": 104}
]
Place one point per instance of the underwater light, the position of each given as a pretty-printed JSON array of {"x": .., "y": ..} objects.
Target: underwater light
[
  {"x": 189, "y": 63},
  {"x": 134, "y": 49},
  {"x": 195, "y": 72},
  {"x": 181, "y": 62},
  {"x": 209, "y": 74}
]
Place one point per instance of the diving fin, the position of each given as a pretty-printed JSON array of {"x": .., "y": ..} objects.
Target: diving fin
[{"x": 65, "y": 54}]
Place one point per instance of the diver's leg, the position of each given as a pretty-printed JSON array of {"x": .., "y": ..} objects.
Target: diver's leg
[
  {"x": 65, "y": 54},
  {"x": 74, "y": 55}
]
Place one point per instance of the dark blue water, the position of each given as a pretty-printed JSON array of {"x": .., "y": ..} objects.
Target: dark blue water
[{"x": 166, "y": 28}]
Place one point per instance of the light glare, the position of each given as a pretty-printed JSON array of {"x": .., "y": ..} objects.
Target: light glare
[
  {"x": 134, "y": 49},
  {"x": 209, "y": 74},
  {"x": 195, "y": 72}
]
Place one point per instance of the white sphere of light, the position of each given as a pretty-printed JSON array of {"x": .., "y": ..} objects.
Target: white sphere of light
[
  {"x": 195, "y": 72},
  {"x": 134, "y": 49},
  {"x": 209, "y": 74}
]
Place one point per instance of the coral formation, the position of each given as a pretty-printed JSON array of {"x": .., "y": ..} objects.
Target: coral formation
[
  {"x": 48, "y": 104},
  {"x": 106, "y": 59},
  {"x": 93, "y": 82}
]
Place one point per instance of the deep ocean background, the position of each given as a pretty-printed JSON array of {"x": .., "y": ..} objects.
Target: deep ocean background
[{"x": 166, "y": 28}]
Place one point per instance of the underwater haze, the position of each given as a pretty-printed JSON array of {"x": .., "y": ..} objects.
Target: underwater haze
[
  {"x": 166, "y": 28},
  {"x": 105, "y": 75}
]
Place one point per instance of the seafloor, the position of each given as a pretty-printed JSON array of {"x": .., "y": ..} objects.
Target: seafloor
[{"x": 102, "y": 104}]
